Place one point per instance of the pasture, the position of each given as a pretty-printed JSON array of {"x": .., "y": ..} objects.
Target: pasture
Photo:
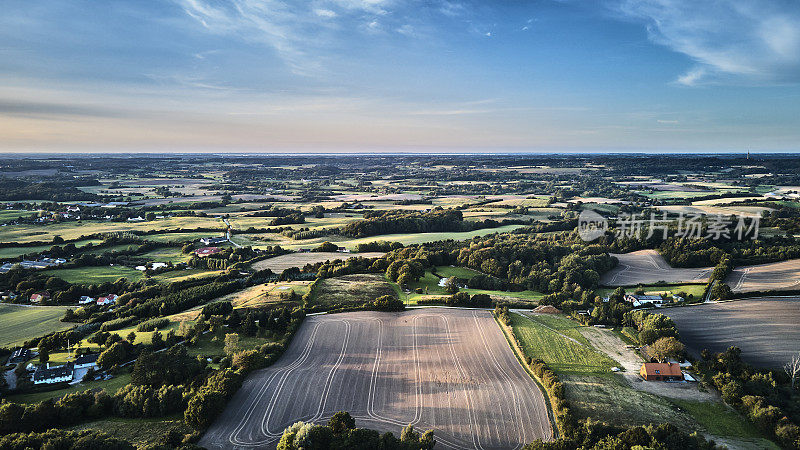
[
  {"x": 649, "y": 267},
  {"x": 765, "y": 328},
  {"x": 657, "y": 289},
  {"x": 20, "y": 323},
  {"x": 95, "y": 274},
  {"x": 448, "y": 370},
  {"x": 14, "y": 252},
  {"x": 778, "y": 276}
]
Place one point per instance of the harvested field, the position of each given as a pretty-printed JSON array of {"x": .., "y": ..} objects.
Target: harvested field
[
  {"x": 280, "y": 263},
  {"x": 648, "y": 267},
  {"x": 777, "y": 276},
  {"x": 352, "y": 289},
  {"x": 447, "y": 370},
  {"x": 765, "y": 329}
]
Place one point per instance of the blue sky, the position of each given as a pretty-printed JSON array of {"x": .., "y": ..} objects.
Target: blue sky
[{"x": 392, "y": 75}]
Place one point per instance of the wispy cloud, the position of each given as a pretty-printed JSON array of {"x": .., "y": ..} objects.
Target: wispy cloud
[
  {"x": 754, "y": 40},
  {"x": 302, "y": 35}
]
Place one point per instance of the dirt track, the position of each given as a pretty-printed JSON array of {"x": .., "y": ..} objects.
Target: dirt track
[
  {"x": 449, "y": 370},
  {"x": 648, "y": 267},
  {"x": 777, "y": 276},
  {"x": 766, "y": 329}
]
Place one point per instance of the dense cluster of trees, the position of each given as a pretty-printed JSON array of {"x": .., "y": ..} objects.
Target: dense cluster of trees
[
  {"x": 462, "y": 299},
  {"x": 341, "y": 434},
  {"x": 766, "y": 397},
  {"x": 53, "y": 189},
  {"x": 651, "y": 326},
  {"x": 63, "y": 439},
  {"x": 377, "y": 223}
]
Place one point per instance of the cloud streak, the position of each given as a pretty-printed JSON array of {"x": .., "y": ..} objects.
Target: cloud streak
[{"x": 753, "y": 40}]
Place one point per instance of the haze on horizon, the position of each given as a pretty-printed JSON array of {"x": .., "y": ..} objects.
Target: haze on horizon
[{"x": 392, "y": 75}]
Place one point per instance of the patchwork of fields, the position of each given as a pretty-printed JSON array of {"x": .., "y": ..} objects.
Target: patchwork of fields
[
  {"x": 779, "y": 276},
  {"x": 450, "y": 370}
]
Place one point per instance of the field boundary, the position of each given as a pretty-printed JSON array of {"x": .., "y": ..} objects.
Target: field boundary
[{"x": 512, "y": 342}]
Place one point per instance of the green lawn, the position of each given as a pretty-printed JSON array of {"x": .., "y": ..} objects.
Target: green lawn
[
  {"x": 528, "y": 296},
  {"x": 180, "y": 275},
  {"x": 20, "y": 323},
  {"x": 557, "y": 341},
  {"x": 167, "y": 255},
  {"x": 11, "y": 214},
  {"x": 460, "y": 272},
  {"x": 95, "y": 274}
]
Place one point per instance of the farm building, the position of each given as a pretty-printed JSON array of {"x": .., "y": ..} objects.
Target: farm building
[
  {"x": 40, "y": 296},
  {"x": 661, "y": 372},
  {"x": 85, "y": 300},
  {"x": 639, "y": 300},
  {"x": 209, "y": 241},
  {"x": 87, "y": 360},
  {"x": 20, "y": 355},
  {"x": 207, "y": 251},
  {"x": 51, "y": 375},
  {"x": 107, "y": 300}
]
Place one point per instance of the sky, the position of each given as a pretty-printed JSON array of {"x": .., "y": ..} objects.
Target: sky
[{"x": 400, "y": 76}]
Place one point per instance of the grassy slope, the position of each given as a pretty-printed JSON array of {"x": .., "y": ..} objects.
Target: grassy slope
[
  {"x": 695, "y": 289},
  {"x": 352, "y": 289},
  {"x": 95, "y": 275},
  {"x": 20, "y": 323}
]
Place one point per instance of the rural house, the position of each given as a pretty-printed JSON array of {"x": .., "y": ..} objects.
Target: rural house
[
  {"x": 210, "y": 241},
  {"x": 52, "y": 375},
  {"x": 639, "y": 300},
  {"x": 85, "y": 300},
  {"x": 107, "y": 300},
  {"x": 661, "y": 372},
  {"x": 87, "y": 360},
  {"x": 40, "y": 296}
]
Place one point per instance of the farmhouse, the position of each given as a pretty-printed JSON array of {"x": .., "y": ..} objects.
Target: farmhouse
[
  {"x": 639, "y": 300},
  {"x": 661, "y": 372},
  {"x": 85, "y": 300},
  {"x": 51, "y": 375},
  {"x": 209, "y": 241},
  {"x": 40, "y": 296},
  {"x": 107, "y": 300},
  {"x": 87, "y": 360},
  {"x": 207, "y": 251}
]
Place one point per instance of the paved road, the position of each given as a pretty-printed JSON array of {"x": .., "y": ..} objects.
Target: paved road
[{"x": 449, "y": 370}]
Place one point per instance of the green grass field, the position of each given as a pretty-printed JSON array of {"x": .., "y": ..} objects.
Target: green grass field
[
  {"x": 21, "y": 323},
  {"x": 140, "y": 432},
  {"x": 95, "y": 275},
  {"x": 718, "y": 419},
  {"x": 11, "y": 214},
  {"x": 167, "y": 255},
  {"x": 557, "y": 341}
]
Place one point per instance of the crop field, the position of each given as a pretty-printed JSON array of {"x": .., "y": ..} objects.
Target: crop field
[
  {"x": 74, "y": 230},
  {"x": 649, "y": 267},
  {"x": 20, "y": 323},
  {"x": 765, "y": 329},
  {"x": 448, "y": 370},
  {"x": 280, "y": 263},
  {"x": 777, "y": 276},
  {"x": 352, "y": 289}
]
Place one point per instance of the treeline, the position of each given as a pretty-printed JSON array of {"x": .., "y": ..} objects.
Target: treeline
[
  {"x": 765, "y": 397},
  {"x": 341, "y": 433},
  {"x": 461, "y": 299},
  {"x": 64, "y": 439},
  {"x": 683, "y": 252},
  {"x": 53, "y": 189}
]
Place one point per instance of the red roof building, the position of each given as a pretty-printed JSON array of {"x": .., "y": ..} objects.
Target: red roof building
[
  {"x": 207, "y": 251},
  {"x": 661, "y": 372}
]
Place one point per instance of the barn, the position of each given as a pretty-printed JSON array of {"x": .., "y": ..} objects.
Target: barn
[{"x": 661, "y": 372}]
